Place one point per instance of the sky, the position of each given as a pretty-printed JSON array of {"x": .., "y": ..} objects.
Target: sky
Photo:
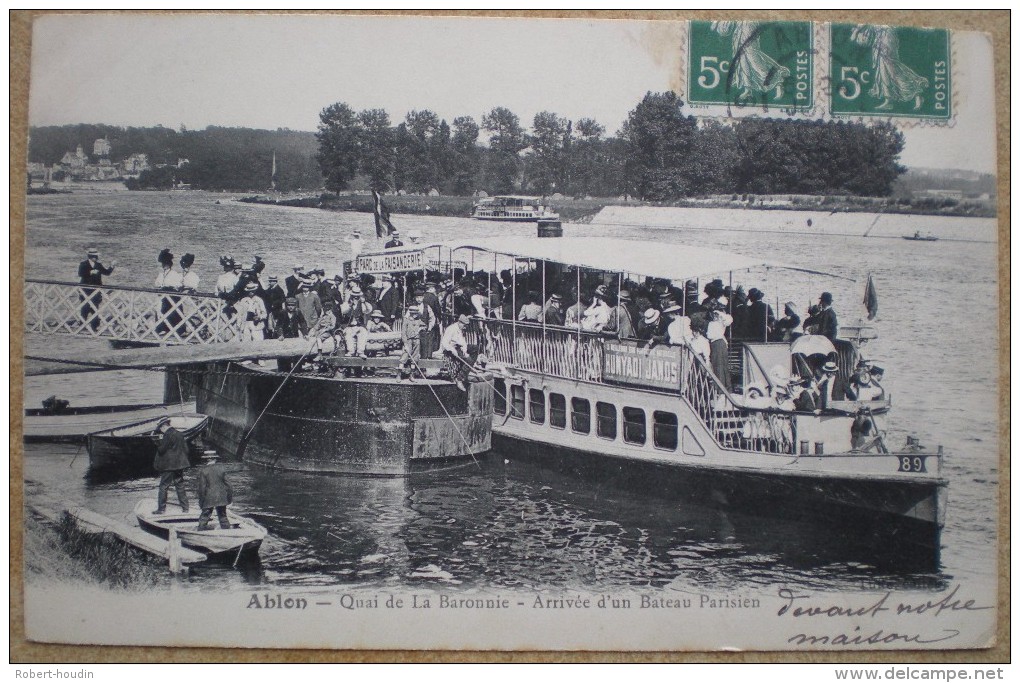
[{"x": 281, "y": 71}]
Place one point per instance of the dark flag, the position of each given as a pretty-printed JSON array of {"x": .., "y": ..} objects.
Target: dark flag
[
  {"x": 871, "y": 299},
  {"x": 383, "y": 226}
]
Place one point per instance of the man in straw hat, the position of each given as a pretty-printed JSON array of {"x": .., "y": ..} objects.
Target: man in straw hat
[
  {"x": 214, "y": 490},
  {"x": 411, "y": 339},
  {"x": 91, "y": 272},
  {"x": 251, "y": 314},
  {"x": 354, "y": 314},
  {"x": 648, "y": 326},
  {"x": 376, "y": 322},
  {"x": 553, "y": 313},
  {"x": 832, "y": 387},
  {"x": 455, "y": 350},
  {"x": 394, "y": 242}
]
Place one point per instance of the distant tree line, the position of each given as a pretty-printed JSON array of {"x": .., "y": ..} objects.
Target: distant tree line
[
  {"x": 660, "y": 153},
  {"x": 235, "y": 159}
]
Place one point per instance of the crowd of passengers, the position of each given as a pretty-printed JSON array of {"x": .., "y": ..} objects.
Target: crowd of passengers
[
  {"x": 344, "y": 311},
  {"x": 659, "y": 312}
]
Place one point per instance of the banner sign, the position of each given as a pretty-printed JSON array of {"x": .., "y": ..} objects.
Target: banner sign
[
  {"x": 630, "y": 364},
  {"x": 399, "y": 262}
]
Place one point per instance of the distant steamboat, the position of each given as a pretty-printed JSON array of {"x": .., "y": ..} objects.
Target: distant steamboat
[{"x": 512, "y": 208}]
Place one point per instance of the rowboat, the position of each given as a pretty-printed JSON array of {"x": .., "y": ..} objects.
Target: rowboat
[
  {"x": 243, "y": 538},
  {"x": 73, "y": 423},
  {"x": 132, "y": 447}
]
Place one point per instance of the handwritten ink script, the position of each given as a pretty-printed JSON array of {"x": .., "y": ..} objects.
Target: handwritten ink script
[{"x": 802, "y": 606}]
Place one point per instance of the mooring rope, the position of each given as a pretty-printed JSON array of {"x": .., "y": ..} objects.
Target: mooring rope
[{"x": 243, "y": 445}]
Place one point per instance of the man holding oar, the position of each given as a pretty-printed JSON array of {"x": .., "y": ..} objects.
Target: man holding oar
[{"x": 171, "y": 461}]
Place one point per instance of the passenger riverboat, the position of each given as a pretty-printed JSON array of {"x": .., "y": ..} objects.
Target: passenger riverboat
[
  {"x": 512, "y": 208},
  {"x": 629, "y": 410}
]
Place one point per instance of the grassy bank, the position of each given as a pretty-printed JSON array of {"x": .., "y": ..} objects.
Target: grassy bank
[
  {"x": 67, "y": 555},
  {"x": 583, "y": 210}
]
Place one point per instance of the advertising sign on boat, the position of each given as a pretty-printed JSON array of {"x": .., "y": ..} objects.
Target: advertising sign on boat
[
  {"x": 659, "y": 366},
  {"x": 397, "y": 262}
]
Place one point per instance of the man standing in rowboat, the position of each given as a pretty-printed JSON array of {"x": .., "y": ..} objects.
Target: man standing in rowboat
[
  {"x": 213, "y": 491},
  {"x": 171, "y": 461}
]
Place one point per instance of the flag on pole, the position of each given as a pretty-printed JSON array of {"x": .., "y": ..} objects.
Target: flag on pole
[
  {"x": 383, "y": 226},
  {"x": 871, "y": 298}
]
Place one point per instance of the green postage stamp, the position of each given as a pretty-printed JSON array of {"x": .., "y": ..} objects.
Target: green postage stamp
[
  {"x": 808, "y": 69},
  {"x": 754, "y": 64},
  {"x": 890, "y": 71}
]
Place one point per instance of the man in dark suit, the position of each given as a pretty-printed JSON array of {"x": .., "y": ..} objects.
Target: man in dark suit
[
  {"x": 293, "y": 282},
  {"x": 171, "y": 461},
  {"x": 91, "y": 272},
  {"x": 394, "y": 241},
  {"x": 389, "y": 300},
  {"x": 826, "y": 321},
  {"x": 760, "y": 318},
  {"x": 214, "y": 490},
  {"x": 431, "y": 318}
]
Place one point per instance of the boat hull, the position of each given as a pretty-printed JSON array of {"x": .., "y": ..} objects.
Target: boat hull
[
  {"x": 362, "y": 426},
  {"x": 243, "y": 539},
  {"x": 887, "y": 522},
  {"x": 508, "y": 219},
  {"x": 74, "y": 423},
  {"x": 110, "y": 453}
]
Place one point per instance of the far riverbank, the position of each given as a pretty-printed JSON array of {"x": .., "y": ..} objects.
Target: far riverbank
[{"x": 583, "y": 210}]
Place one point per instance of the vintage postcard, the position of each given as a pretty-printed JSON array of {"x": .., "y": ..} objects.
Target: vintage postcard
[{"x": 479, "y": 333}]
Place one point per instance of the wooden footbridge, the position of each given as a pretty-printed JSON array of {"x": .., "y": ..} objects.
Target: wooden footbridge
[
  {"x": 160, "y": 329},
  {"x": 129, "y": 314}
]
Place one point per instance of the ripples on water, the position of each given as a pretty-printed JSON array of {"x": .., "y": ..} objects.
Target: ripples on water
[{"x": 507, "y": 524}]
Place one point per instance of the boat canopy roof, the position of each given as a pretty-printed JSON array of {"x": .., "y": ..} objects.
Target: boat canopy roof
[{"x": 674, "y": 262}]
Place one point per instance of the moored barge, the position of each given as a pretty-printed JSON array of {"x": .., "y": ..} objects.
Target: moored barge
[{"x": 319, "y": 422}]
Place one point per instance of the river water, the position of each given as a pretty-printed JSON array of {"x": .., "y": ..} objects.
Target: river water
[{"x": 500, "y": 523}]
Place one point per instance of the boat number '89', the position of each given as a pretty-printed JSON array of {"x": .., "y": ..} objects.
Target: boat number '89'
[{"x": 912, "y": 463}]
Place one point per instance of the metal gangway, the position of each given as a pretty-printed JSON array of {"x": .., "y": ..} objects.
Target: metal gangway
[{"x": 132, "y": 314}]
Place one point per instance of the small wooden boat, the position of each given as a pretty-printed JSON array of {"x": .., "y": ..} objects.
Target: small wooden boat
[
  {"x": 132, "y": 447},
  {"x": 73, "y": 423},
  {"x": 243, "y": 538},
  {"x": 918, "y": 237}
]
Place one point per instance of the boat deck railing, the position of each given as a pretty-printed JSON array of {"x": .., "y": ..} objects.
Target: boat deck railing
[
  {"x": 127, "y": 313},
  {"x": 579, "y": 355}
]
